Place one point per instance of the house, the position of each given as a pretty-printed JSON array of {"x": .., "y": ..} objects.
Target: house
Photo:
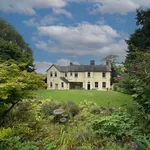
[{"x": 79, "y": 76}]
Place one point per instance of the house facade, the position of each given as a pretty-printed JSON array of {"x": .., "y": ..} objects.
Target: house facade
[{"x": 79, "y": 77}]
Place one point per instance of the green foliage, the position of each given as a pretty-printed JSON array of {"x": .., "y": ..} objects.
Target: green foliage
[
  {"x": 50, "y": 146},
  {"x": 16, "y": 85},
  {"x": 12, "y": 45}
]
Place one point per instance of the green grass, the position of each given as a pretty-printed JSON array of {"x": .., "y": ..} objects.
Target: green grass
[{"x": 102, "y": 98}]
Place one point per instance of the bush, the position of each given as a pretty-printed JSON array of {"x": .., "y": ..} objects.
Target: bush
[
  {"x": 48, "y": 108},
  {"x": 95, "y": 109}
]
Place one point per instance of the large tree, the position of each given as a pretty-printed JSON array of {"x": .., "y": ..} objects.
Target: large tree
[
  {"x": 140, "y": 39},
  {"x": 11, "y": 43}
]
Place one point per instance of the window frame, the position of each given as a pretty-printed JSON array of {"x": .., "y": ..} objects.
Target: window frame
[
  {"x": 65, "y": 74},
  {"x": 62, "y": 84},
  {"x": 76, "y": 74},
  {"x": 104, "y": 74},
  {"x": 103, "y": 84},
  {"x": 96, "y": 83},
  {"x": 51, "y": 84},
  {"x": 51, "y": 74},
  {"x": 89, "y": 74},
  {"x": 55, "y": 73}
]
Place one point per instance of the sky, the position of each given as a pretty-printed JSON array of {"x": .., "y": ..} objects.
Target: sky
[{"x": 64, "y": 31}]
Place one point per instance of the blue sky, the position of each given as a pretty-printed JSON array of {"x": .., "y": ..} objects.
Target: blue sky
[{"x": 60, "y": 31}]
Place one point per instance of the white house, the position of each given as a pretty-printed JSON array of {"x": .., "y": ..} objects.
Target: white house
[{"x": 79, "y": 76}]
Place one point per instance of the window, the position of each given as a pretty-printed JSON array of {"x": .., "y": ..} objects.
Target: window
[
  {"x": 55, "y": 74},
  {"x": 51, "y": 74},
  {"x": 65, "y": 74},
  {"x": 88, "y": 74},
  {"x": 76, "y": 74},
  {"x": 104, "y": 85},
  {"x": 104, "y": 75},
  {"x": 62, "y": 84},
  {"x": 51, "y": 84},
  {"x": 70, "y": 73},
  {"x": 96, "y": 84}
]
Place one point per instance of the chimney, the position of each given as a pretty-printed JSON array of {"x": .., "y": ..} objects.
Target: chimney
[
  {"x": 71, "y": 63},
  {"x": 108, "y": 63},
  {"x": 92, "y": 62}
]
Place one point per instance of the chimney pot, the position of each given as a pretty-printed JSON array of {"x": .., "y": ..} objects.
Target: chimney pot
[{"x": 92, "y": 62}]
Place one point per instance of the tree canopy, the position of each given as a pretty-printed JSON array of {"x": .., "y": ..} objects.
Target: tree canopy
[
  {"x": 140, "y": 39},
  {"x": 12, "y": 45}
]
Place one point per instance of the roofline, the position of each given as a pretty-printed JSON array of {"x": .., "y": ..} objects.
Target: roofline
[{"x": 52, "y": 66}]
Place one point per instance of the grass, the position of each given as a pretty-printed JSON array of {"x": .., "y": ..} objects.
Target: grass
[{"x": 102, "y": 98}]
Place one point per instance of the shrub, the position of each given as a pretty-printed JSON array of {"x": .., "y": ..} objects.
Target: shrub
[
  {"x": 95, "y": 109},
  {"x": 48, "y": 108}
]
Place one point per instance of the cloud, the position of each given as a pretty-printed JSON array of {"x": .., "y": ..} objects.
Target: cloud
[
  {"x": 34, "y": 22},
  {"x": 104, "y": 6},
  {"x": 85, "y": 39},
  {"x": 59, "y": 11},
  {"x": 29, "y": 6},
  {"x": 41, "y": 67},
  {"x": 114, "y": 6}
]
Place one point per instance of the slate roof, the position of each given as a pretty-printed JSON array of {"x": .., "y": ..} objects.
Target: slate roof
[{"x": 83, "y": 68}]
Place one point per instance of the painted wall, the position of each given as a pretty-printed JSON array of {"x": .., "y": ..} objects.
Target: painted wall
[{"x": 82, "y": 77}]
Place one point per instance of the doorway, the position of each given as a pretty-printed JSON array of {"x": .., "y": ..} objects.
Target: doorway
[
  {"x": 56, "y": 86},
  {"x": 88, "y": 86}
]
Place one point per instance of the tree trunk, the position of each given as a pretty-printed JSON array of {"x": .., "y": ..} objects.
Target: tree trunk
[{"x": 6, "y": 112}]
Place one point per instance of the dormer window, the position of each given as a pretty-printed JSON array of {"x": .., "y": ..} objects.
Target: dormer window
[{"x": 89, "y": 74}]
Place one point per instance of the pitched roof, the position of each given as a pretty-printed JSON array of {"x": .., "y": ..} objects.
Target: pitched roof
[{"x": 83, "y": 68}]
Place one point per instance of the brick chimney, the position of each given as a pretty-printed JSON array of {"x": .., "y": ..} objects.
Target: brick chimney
[{"x": 92, "y": 62}]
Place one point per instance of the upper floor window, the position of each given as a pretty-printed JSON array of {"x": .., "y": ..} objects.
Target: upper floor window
[
  {"x": 62, "y": 84},
  {"x": 104, "y": 75},
  {"x": 55, "y": 74},
  {"x": 96, "y": 84},
  {"x": 70, "y": 73},
  {"x": 89, "y": 74},
  {"x": 76, "y": 74},
  {"x": 51, "y": 74},
  {"x": 51, "y": 84},
  {"x": 65, "y": 74},
  {"x": 104, "y": 85}
]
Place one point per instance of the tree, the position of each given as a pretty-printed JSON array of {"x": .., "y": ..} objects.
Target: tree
[
  {"x": 9, "y": 35},
  {"x": 112, "y": 59},
  {"x": 16, "y": 85},
  {"x": 140, "y": 39}
]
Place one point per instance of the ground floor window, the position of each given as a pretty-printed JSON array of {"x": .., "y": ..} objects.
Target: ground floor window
[
  {"x": 96, "y": 84},
  {"x": 62, "y": 84},
  {"x": 104, "y": 85},
  {"x": 51, "y": 84}
]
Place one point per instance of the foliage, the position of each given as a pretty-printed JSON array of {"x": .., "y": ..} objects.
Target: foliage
[
  {"x": 16, "y": 85},
  {"x": 12, "y": 45},
  {"x": 140, "y": 40}
]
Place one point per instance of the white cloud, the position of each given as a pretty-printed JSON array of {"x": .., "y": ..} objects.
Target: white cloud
[
  {"x": 104, "y": 6},
  {"x": 114, "y": 6},
  {"x": 29, "y": 6},
  {"x": 85, "y": 39},
  {"x": 41, "y": 67},
  {"x": 59, "y": 11},
  {"x": 47, "y": 20},
  {"x": 65, "y": 62}
]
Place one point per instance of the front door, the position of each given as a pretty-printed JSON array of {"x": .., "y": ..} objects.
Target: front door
[{"x": 88, "y": 86}]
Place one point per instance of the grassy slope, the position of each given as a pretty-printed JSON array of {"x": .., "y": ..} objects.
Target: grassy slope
[{"x": 115, "y": 99}]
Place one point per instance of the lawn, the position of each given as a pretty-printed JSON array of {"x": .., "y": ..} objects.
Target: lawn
[{"x": 102, "y": 98}]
